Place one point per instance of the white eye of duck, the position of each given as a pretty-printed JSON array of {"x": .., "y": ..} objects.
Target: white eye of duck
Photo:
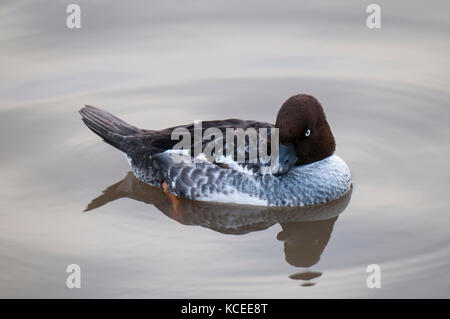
[{"x": 308, "y": 132}]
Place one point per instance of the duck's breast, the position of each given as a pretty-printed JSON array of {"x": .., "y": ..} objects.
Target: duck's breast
[{"x": 311, "y": 184}]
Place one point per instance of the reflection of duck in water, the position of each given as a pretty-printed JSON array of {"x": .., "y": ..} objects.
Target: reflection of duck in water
[
  {"x": 305, "y": 230},
  {"x": 304, "y": 243}
]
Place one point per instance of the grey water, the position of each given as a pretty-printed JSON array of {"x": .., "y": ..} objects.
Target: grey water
[{"x": 68, "y": 198}]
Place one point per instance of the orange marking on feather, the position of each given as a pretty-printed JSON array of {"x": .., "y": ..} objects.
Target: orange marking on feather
[{"x": 175, "y": 212}]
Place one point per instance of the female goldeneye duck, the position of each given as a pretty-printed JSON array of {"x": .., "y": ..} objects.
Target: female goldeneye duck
[{"x": 307, "y": 172}]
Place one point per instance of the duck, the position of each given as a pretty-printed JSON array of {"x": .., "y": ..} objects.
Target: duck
[
  {"x": 304, "y": 169},
  {"x": 305, "y": 231}
]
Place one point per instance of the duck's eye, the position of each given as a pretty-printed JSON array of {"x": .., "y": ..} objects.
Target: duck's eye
[{"x": 308, "y": 132}]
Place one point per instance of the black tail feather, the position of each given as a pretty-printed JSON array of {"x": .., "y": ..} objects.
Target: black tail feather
[{"x": 109, "y": 127}]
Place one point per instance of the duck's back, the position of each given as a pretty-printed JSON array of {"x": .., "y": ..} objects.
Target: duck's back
[{"x": 139, "y": 143}]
